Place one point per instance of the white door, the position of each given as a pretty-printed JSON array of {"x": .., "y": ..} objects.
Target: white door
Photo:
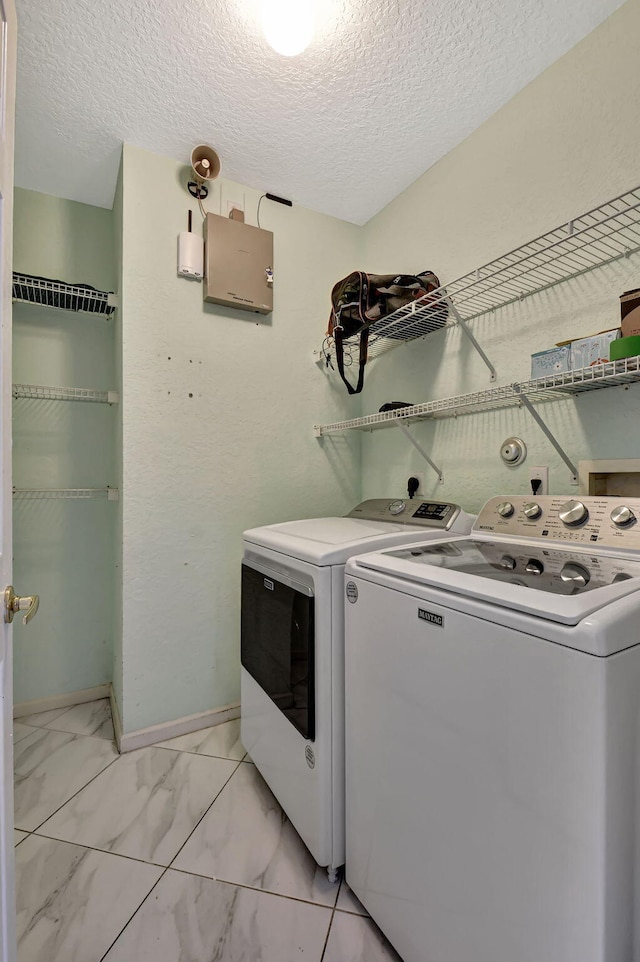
[{"x": 8, "y": 28}]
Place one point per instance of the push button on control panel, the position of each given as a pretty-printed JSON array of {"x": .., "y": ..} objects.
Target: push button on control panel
[{"x": 433, "y": 511}]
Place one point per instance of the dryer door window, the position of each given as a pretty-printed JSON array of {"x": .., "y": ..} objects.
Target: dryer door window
[{"x": 277, "y": 644}]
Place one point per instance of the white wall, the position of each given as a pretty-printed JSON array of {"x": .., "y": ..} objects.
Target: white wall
[
  {"x": 63, "y": 550},
  {"x": 566, "y": 143},
  {"x": 218, "y": 408}
]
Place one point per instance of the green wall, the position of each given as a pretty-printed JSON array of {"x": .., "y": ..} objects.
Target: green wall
[
  {"x": 218, "y": 413},
  {"x": 562, "y": 146},
  {"x": 63, "y": 549}
]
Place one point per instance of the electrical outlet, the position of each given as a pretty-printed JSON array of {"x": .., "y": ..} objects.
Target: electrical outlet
[
  {"x": 235, "y": 205},
  {"x": 539, "y": 473},
  {"x": 420, "y": 477}
]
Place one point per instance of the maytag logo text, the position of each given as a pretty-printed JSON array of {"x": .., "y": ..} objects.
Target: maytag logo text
[{"x": 431, "y": 617}]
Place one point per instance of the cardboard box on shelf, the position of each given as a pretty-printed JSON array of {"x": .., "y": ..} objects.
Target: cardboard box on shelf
[
  {"x": 631, "y": 323},
  {"x": 557, "y": 360},
  {"x": 587, "y": 351},
  {"x": 630, "y": 313}
]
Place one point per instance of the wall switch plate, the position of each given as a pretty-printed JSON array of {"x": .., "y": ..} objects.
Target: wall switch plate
[{"x": 539, "y": 473}]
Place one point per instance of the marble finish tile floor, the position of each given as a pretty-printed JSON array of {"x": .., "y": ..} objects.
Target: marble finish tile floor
[
  {"x": 92, "y": 718},
  {"x": 175, "y": 852}
]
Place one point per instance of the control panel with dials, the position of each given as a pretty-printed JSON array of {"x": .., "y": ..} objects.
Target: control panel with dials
[
  {"x": 589, "y": 521},
  {"x": 548, "y": 568},
  {"x": 419, "y": 512}
]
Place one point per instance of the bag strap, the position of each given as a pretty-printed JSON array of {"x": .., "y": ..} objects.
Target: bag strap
[{"x": 362, "y": 357}]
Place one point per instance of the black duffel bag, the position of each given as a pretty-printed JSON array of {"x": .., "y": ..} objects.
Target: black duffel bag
[{"x": 359, "y": 300}]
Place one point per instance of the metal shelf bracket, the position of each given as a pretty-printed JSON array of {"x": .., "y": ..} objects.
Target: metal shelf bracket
[
  {"x": 465, "y": 327},
  {"x": 547, "y": 432},
  {"x": 409, "y": 436}
]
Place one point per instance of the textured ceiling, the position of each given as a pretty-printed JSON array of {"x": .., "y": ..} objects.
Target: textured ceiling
[{"x": 386, "y": 88}]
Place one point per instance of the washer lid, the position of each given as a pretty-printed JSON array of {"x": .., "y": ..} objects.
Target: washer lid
[{"x": 542, "y": 580}]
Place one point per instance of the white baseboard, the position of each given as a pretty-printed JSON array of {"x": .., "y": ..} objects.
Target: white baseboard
[
  {"x": 67, "y": 700},
  {"x": 180, "y": 726},
  {"x": 137, "y": 739},
  {"x": 115, "y": 718}
]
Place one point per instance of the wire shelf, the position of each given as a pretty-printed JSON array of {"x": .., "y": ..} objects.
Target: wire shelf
[
  {"x": 39, "y": 393},
  {"x": 612, "y": 374},
  {"x": 598, "y": 237},
  {"x": 47, "y": 494},
  {"x": 67, "y": 297}
]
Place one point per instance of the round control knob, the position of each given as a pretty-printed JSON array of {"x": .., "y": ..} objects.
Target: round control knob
[
  {"x": 573, "y": 512},
  {"x": 621, "y": 576},
  {"x": 575, "y": 574},
  {"x": 397, "y": 507},
  {"x": 507, "y": 562},
  {"x": 505, "y": 509},
  {"x": 532, "y": 510},
  {"x": 622, "y": 516},
  {"x": 534, "y": 567}
]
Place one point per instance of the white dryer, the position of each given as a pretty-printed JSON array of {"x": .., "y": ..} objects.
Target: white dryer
[
  {"x": 292, "y": 647},
  {"x": 493, "y": 736}
]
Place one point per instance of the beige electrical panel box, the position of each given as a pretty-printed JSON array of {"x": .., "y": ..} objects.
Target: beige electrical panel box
[{"x": 238, "y": 262}]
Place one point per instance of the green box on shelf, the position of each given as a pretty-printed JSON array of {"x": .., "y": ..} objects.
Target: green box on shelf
[{"x": 625, "y": 347}]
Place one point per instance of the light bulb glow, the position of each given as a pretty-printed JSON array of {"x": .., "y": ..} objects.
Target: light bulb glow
[{"x": 288, "y": 25}]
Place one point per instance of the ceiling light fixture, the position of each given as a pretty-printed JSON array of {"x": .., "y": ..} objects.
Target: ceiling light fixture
[{"x": 288, "y": 25}]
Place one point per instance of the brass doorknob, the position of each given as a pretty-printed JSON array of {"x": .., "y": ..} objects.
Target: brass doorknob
[{"x": 14, "y": 603}]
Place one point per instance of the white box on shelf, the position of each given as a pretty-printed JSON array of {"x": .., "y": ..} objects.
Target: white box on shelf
[
  {"x": 592, "y": 350},
  {"x": 557, "y": 360}
]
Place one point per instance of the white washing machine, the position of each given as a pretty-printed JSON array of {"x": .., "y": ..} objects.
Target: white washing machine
[
  {"x": 292, "y": 646},
  {"x": 492, "y": 736}
]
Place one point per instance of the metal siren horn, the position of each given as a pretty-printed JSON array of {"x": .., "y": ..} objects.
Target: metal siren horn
[{"x": 205, "y": 164}]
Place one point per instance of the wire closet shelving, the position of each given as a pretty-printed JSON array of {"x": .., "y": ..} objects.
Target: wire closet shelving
[
  {"x": 594, "y": 239},
  {"x": 615, "y": 373},
  {"x": 49, "y": 494},
  {"x": 28, "y": 289},
  {"x": 598, "y": 237},
  {"x": 38, "y": 392}
]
